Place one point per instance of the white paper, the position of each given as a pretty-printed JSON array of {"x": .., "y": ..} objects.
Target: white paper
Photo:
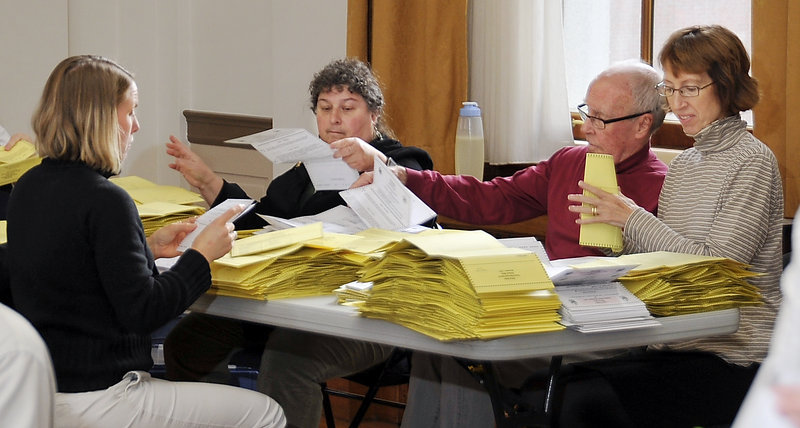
[
  {"x": 164, "y": 264},
  {"x": 358, "y": 286},
  {"x": 291, "y": 145},
  {"x": 209, "y": 216},
  {"x": 569, "y": 271},
  {"x": 339, "y": 219},
  {"x": 528, "y": 243},
  {"x": 330, "y": 173},
  {"x": 591, "y": 308},
  {"x": 387, "y": 203}
]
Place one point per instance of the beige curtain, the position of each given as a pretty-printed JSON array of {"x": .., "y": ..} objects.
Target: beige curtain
[
  {"x": 518, "y": 76},
  {"x": 418, "y": 50},
  {"x": 776, "y": 61}
]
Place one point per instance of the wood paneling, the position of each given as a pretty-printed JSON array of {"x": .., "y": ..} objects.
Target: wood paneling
[{"x": 775, "y": 64}]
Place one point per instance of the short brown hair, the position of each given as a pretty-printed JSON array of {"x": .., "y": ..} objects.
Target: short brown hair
[
  {"x": 719, "y": 52},
  {"x": 76, "y": 119}
]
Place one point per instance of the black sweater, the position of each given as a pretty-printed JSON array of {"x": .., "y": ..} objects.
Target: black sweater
[
  {"x": 82, "y": 273},
  {"x": 292, "y": 193}
]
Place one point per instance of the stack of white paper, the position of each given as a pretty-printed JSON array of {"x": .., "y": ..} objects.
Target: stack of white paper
[{"x": 591, "y": 308}]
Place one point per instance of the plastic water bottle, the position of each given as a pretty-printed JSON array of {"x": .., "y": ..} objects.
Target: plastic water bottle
[{"x": 469, "y": 141}]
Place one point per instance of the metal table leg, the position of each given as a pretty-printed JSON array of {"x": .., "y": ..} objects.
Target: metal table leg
[{"x": 514, "y": 414}]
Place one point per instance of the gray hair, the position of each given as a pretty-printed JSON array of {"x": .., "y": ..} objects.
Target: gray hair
[{"x": 642, "y": 80}]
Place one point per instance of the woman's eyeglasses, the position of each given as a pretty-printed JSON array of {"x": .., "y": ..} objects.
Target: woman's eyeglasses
[{"x": 686, "y": 91}]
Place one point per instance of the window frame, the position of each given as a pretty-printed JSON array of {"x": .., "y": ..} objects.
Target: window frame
[{"x": 670, "y": 135}]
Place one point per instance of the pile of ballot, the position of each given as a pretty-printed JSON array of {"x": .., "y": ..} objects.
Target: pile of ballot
[
  {"x": 160, "y": 205},
  {"x": 592, "y": 298},
  {"x": 294, "y": 262},
  {"x": 17, "y": 161},
  {"x": 454, "y": 285},
  {"x": 673, "y": 283},
  {"x": 156, "y": 215},
  {"x": 598, "y": 307}
]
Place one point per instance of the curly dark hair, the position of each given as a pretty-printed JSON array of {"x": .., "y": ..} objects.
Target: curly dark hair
[{"x": 358, "y": 78}]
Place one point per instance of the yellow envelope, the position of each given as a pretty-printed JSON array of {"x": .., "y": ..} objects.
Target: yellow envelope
[{"x": 600, "y": 173}]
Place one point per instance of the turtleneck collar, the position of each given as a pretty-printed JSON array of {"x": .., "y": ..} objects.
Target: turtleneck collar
[
  {"x": 635, "y": 159},
  {"x": 716, "y": 136}
]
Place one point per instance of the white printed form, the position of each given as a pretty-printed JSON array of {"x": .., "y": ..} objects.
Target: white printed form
[
  {"x": 211, "y": 215},
  {"x": 291, "y": 145},
  {"x": 387, "y": 203}
]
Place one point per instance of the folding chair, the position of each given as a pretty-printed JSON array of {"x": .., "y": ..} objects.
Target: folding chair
[{"x": 394, "y": 371}]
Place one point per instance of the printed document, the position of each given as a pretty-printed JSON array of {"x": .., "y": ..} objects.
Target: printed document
[
  {"x": 291, "y": 145},
  {"x": 387, "y": 203}
]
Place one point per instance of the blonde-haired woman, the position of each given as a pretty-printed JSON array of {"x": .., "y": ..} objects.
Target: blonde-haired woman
[{"x": 83, "y": 271}]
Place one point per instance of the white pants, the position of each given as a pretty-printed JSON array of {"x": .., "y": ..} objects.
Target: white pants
[{"x": 141, "y": 401}]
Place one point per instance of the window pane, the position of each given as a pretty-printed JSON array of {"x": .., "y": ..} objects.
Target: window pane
[
  {"x": 670, "y": 15},
  {"x": 598, "y": 33}
]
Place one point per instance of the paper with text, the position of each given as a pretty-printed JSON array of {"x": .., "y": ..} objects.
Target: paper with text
[
  {"x": 209, "y": 216},
  {"x": 339, "y": 219},
  {"x": 291, "y": 145},
  {"x": 387, "y": 203},
  {"x": 529, "y": 243}
]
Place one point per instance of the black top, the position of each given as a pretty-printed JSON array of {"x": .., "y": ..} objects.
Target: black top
[
  {"x": 292, "y": 193},
  {"x": 81, "y": 272}
]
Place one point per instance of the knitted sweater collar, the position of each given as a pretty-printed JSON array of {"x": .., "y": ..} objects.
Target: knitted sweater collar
[
  {"x": 716, "y": 137},
  {"x": 634, "y": 161}
]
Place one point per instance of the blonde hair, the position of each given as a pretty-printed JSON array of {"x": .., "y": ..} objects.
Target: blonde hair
[{"x": 76, "y": 119}]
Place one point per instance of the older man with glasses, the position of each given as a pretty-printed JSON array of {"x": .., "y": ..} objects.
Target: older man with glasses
[{"x": 622, "y": 111}]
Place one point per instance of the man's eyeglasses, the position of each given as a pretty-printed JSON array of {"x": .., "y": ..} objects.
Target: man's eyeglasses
[
  {"x": 598, "y": 123},
  {"x": 686, "y": 91}
]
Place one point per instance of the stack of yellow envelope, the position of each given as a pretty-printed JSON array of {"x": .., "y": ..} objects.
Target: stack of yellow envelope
[
  {"x": 160, "y": 205},
  {"x": 295, "y": 262},
  {"x": 674, "y": 283},
  {"x": 143, "y": 191},
  {"x": 454, "y": 285},
  {"x": 17, "y": 161},
  {"x": 156, "y": 215}
]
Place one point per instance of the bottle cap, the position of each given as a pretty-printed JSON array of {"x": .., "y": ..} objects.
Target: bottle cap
[{"x": 470, "y": 109}]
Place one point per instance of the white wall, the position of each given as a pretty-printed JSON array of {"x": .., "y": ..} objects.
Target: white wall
[{"x": 239, "y": 56}]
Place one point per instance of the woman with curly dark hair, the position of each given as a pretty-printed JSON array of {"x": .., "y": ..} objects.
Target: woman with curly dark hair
[
  {"x": 347, "y": 101},
  {"x": 348, "y": 104}
]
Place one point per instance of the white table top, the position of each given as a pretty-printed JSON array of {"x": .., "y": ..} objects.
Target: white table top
[{"x": 323, "y": 315}]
